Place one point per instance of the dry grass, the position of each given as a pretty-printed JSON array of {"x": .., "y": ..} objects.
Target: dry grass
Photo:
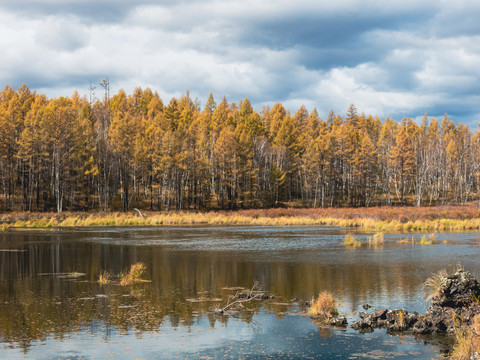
[
  {"x": 433, "y": 284},
  {"x": 325, "y": 306},
  {"x": 376, "y": 240},
  {"x": 350, "y": 241},
  {"x": 135, "y": 274},
  {"x": 430, "y": 240},
  {"x": 379, "y": 219},
  {"x": 104, "y": 278},
  {"x": 467, "y": 341},
  {"x": 407, "y": 241}
]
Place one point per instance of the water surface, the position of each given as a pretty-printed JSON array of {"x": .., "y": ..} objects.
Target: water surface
[{"x": 44, "y": 315}]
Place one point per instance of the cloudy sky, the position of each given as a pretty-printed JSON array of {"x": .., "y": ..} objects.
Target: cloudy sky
[{"x": 397, "y": 57}]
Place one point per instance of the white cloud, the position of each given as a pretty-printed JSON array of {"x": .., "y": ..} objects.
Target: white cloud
[{"x": 425, "y": 60}]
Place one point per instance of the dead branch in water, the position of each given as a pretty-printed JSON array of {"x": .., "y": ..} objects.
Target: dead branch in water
[{"x": 249, "y": 296}]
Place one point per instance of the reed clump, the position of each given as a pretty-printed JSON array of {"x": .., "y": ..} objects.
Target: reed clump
[
  {"x": 350, "y": 241},
  {"x": 134, "y": 275},
  {"x": 324, "y": 306},
  {"x": 430, "y": 240},
  {"x": 105, "y": 278},
  {"x": 376, "y": 240}
]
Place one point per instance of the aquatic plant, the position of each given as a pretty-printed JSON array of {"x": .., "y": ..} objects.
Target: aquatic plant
[
  {"x": 324, "y": 306},
  {"x": 376, "y": 240},
  {"x": 407, "y": 241},
  {"x": 431, "y": 239},
  {"x": 433, "y": 284},
  {"x": 104, "y": 278},
  {"x": 351, "y": 241},
  {"x": 134, "y": 275}
]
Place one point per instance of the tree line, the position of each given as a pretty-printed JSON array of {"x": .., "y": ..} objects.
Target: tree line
[{"x": 71, "y": 153}]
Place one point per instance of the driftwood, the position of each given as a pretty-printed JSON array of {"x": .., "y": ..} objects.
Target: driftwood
[
  {"x": 139, "y": 213},
  {"x": 243, "y": 298}
]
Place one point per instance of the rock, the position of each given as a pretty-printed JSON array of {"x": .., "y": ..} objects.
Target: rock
[
  {"x": 379, "y": 314},
  {"x": 456, "y": 299},
  {"x": 336, "y": 321},
  {"x": 457, "y": 290}
]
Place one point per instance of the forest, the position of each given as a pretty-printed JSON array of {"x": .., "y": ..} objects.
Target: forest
[{"x": 134, "y": 151}]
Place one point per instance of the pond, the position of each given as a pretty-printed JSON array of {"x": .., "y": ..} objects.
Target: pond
[{"x": 52, "y": 306}]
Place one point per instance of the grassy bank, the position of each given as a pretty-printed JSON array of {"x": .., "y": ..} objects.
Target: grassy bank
[{"x": 381, "y": 219}]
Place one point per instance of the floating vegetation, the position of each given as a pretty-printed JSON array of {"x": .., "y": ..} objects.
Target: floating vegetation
[
  {"x": 233, "y": 288},
  {"x": 64, "y": 275},
  {"x": 407, "y": 241},
  {"x": 134, "y": 275}
]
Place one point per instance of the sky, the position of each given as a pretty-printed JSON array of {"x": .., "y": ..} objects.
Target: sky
[{"x": 390, "y": 58}]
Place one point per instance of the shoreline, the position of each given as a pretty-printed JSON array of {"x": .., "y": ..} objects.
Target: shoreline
[{"x": 384, "y": 219}]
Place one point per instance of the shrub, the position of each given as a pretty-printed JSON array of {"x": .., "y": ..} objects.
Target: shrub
[{"x": 324, "y": 306}]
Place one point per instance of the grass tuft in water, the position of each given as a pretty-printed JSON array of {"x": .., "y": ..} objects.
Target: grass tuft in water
[
  {"x": 324, "y": 306},
  {"x": 430, "y": 240},
  {"x": 134, "y": 274},
  {"x": 350, "y": 241},
  {"x": 105, "y": 278},
  {"x": 376, "y": 240}
]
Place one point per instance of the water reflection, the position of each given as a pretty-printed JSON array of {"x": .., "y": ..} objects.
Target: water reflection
[{"x": 190, "y": 271}]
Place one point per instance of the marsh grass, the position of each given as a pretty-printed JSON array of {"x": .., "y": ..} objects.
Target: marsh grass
[
  {"x": 433, "y": 284},
  {"x": 467, "y": 341},
  {"x": 350, "y": 241},
  {"x": 376, "y": 240},
  {"x": 325, "y": 306},
  {"x": 105, "y": 278},
  {"x": 407, "y": 241},
  {"x": 378, "y": 219},
  {"x": 430, "y": 240},
  {"x": 134, "y": 275}
]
